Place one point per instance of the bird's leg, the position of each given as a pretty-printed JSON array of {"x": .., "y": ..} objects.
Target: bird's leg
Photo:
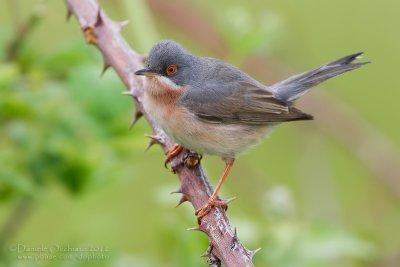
[
  {"x": 213, "y": 201},
  {"x": 172, "y": 153}
]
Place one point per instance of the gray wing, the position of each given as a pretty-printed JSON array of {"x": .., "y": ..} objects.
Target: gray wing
[{"x": 236, "y": 98}]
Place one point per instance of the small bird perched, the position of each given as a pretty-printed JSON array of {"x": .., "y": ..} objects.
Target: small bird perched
[{"x": 211, "y": 107}]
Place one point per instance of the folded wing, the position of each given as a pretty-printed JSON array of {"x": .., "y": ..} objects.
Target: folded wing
[{"x": 243, "y": 102}]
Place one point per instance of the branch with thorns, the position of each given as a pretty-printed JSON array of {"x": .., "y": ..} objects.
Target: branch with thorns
[{"x": 100, "y": 31}]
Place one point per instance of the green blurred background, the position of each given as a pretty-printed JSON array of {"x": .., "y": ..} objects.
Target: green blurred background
[{"x": 320, "y": 193}]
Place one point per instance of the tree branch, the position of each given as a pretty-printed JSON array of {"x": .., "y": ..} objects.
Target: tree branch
[{"x": 104, "y": 33}]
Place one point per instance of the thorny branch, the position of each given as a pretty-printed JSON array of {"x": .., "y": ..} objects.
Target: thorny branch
[{"x": 101, "y": 31}]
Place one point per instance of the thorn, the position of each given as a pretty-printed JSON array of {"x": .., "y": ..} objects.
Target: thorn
[
  {"x": 194, "y": 229},
  {"x": 127, "y": 93},
  {"x": 123, "y": 24},
  {"x": 99, "y": 18},
  {"x": 153, "y": 141},
  {"x": 252, "y": 253},
  {"x": 178, "y": 191},
  {"x": 234, "y": 239},
  {"x": 207, "y": 253},
  {"x": 229, "y": 200},
  {"x": 152, "y": 137},
  {"x": 69, "y": 14},
  {"x": 105, "y": 68},
  {"x": 182, "y": 200},
  {"x": 136, "y": 117}
]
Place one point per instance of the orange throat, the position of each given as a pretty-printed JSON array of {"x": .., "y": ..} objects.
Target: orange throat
[{"x": 163, "y": 91}]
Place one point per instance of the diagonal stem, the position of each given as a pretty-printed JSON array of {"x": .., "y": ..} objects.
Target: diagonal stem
[{"x": 104, "y": 33}]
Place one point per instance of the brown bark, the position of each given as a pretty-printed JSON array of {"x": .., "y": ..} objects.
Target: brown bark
[{"x": 104, "y": 33}]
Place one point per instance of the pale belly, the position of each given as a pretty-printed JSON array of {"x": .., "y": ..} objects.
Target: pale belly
[{"x": 225, "y": 140}]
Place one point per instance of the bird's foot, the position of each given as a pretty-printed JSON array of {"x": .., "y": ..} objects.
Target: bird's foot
[
  {"x": 192, "y": 159},
  {"x": 212, "y": 202},
  {"x": 172, "y": 153}
]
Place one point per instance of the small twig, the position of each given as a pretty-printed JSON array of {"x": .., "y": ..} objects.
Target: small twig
[
  {"x": 15, "y": 220},
  {"x": 104, "y": 33},
  {"x": 22, "y": 32}
]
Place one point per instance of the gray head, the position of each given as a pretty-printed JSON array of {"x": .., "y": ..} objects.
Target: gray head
[{"x": 169, "y": 59}]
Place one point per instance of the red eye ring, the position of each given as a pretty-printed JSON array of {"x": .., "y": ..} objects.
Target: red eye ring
[{"x": 171, "y": 69}]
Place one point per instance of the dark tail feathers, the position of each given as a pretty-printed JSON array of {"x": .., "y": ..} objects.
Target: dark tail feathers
[{"x": 294, "y": 87}]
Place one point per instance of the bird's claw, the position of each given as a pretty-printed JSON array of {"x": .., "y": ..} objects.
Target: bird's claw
[
  {"x": 192, "y": 159},
  {"x": 212, "y": 202},
  {"x": 172, "y": 153}
]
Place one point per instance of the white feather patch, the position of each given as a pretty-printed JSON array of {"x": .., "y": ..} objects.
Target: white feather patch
[{"x": 166, "y": 82}]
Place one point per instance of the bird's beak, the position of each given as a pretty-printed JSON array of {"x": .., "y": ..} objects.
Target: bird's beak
[{"x": 145, "y": 72}]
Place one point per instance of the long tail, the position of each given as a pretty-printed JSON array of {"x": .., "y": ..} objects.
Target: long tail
[{"x": 294, "y": 87}]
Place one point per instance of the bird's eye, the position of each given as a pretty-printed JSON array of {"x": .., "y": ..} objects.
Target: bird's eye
[{"x": 171, "y": 69}]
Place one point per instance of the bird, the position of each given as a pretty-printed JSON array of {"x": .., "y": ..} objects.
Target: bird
[{"x": 213, "y": 108}]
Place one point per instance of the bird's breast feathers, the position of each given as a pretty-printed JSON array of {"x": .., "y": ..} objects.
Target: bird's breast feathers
[
  {"x": 185, "y": 128},
  {"x": 160, "y": 99}
]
